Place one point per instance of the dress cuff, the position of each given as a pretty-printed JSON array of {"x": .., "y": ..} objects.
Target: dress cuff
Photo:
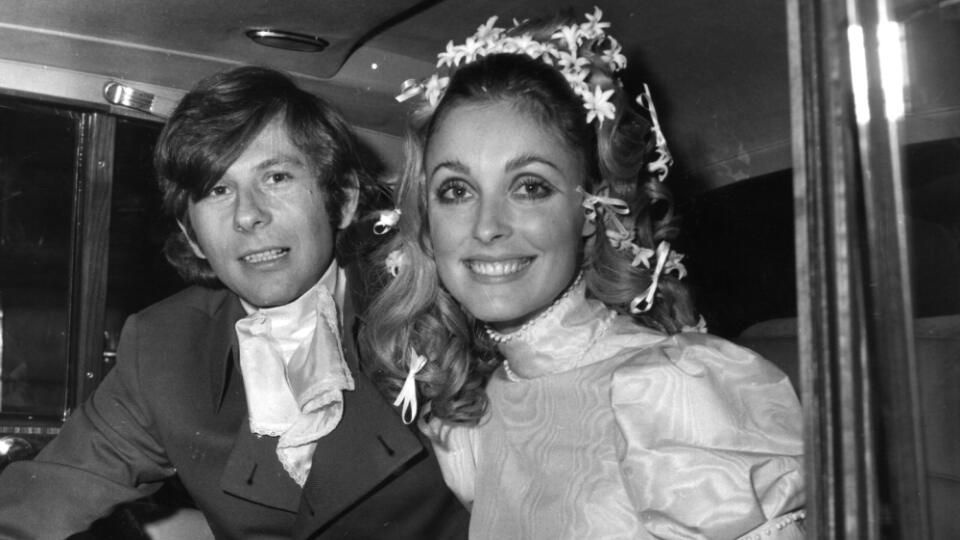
[{"x": 785, "y": 527}]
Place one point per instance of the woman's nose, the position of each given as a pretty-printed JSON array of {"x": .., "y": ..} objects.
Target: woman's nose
[
  {"x": 491, "y": 221},
  {"x": 250, "y": 212}
]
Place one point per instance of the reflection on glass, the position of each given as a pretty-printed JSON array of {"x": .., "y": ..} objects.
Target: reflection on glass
[
  {"x": 37, "y": 158},
  {"x": 931, "y": 158}
]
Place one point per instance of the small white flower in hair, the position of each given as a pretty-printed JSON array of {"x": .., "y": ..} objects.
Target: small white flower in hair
[
  {"x": 673, "y": 264},
  {"x": 394, "y": 262},
  {"x": 614, "y": 55},
  {"x": 642, "y": 256},
  {"x": 487, "y": 32},
  {"x": 388, "y": 220},
  {"x": 620, "y": 239},
  {"x": 435, "y": 87},
  {"x": 594, "y": 27},
  {"x": 450, "y": 56},
  {"x": 699, "y": 328},
  {"x": 471, "y": 48},
  {"x": 570, "y": 35},
  {"x": 594, "y": 203},
  {"x": 572, "y": 62},
  {"x": 598, "y": 105}
]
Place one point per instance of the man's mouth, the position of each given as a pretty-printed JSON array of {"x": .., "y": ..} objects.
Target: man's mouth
[
  {"x": 265, "y": 256},
  {"x": 498, "y": 268}
]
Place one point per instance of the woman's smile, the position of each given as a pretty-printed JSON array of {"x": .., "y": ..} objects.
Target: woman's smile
[{"x": 500, "y": 268}]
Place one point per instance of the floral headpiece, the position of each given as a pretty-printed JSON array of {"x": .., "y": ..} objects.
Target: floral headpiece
[{"x": 572, "y": 49}]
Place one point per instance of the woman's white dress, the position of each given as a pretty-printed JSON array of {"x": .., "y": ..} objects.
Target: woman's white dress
[{"x": 599, "y": 428}]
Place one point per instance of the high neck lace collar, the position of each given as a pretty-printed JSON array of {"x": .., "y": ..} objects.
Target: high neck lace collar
[{"x": 558, "y": 340}]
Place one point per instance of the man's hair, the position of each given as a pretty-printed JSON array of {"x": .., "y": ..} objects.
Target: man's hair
[{"x": 212, "y": 126}]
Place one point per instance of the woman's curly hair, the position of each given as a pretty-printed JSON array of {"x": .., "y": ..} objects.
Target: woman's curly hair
[{"x": 414, "y": 312}]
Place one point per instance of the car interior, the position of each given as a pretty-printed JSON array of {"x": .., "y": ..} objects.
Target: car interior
[{"x": 86, "y": 85}]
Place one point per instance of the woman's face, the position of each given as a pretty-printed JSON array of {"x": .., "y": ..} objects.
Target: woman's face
[{"x": 506, "y": 220}]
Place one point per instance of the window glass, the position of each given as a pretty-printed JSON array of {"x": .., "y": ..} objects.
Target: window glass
[
  {"x": 138, "y": 273},
  {"x": 37, "y": 177},
  {"x": 931, "y": 165}
]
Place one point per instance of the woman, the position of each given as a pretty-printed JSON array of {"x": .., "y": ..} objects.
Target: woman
[{"x": 536, "y": 310}]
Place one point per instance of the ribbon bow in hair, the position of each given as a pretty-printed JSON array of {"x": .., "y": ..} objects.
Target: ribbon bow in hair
[{"x": 407, "y": 398}]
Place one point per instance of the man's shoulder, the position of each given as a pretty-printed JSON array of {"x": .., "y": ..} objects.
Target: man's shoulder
[{"x": 187, "y": 305}]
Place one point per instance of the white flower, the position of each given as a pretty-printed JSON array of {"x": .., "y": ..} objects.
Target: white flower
[
  {"x": 488, "y": 32},
  {"x": 525, "y": 44},
  {"x": 388, "y": 220},
  {"x": 394, "y": 262},
  {"x": 642, "y": 256},
  {"x": 613, "y": 56},
  {"x": 700, "y": 328},
  {"x": 592, "y": 202},
  {"x": 598, "y": 105},
  {"x": 435, "y": 86},
  {"x": 471, "y": 49},
  {"x": 572, "y": 62},
  {"x": 673, "y": 264},
  {"x": 594, "y": 28},
  {"x": 621, "y": 239},
  {"x": 570, "y": 35},
  {"x": 450, "y": 56}
]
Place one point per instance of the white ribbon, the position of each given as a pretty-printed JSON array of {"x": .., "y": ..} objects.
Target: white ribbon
[
  {"x": 407, "y": 398},
  {"x": 644, "y": 302}
]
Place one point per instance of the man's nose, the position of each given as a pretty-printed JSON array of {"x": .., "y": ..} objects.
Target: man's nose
[
  {"x": 492, "y": 221},
  {"x": 250, "y": 210}
]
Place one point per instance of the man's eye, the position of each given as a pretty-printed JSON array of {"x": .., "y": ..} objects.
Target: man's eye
[{"x": 217, "y": 191}]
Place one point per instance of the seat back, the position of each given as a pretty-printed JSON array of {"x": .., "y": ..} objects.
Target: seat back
[{"x": 937, "y": 345}]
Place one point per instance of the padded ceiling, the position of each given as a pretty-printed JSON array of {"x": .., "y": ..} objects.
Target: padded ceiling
[{"x": 717, "y": 70}]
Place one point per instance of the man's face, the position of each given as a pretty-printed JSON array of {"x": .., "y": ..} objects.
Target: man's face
[{"x": 264, "y": 227}]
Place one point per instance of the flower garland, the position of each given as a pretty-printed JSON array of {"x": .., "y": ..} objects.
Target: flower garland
[{"x": 572, "y": 49}]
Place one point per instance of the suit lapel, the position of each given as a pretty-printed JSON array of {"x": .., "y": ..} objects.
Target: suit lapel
[
  {"x": 252, "y": 470},
  {"x": 368, "y": 447}
]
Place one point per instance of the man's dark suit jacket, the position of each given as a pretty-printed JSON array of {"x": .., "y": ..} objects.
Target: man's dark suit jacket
[{"x": 175, "y": 404}]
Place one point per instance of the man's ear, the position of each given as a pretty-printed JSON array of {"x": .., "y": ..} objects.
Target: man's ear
[
  {"x": 349, "y": 208},
  {"x": 193, "y": 245}
]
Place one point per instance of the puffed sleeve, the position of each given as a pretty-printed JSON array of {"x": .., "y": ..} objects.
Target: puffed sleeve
[
  {"x": 710, "y": 441},
  {"x": 104, "y": 455},
  {"x": 455, "y": 448}
]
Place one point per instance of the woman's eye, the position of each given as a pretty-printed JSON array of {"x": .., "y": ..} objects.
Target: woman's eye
[
  {"x": 533, "y": 188},
  {"x": 453, "y": 191}
]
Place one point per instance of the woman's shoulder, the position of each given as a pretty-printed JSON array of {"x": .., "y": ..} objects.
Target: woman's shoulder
[
  {"x": 704, "y": 373},
  {"x": 640, "y": 350}
]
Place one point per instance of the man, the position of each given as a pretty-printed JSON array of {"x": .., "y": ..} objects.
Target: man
[{"x": 242, "y": 387}]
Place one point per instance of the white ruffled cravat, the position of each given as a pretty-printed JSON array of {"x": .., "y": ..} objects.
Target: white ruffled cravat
[{"x": 294, "y": 373}]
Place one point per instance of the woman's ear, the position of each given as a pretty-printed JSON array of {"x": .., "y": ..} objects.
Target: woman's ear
[
  {"x": 352, "y": 200},
  {"x": 193, "y": 244},
  {"x": 589, "y": 228}
]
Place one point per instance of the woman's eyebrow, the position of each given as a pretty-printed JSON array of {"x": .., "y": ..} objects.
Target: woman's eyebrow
[
  {"x": 454, "y": 165},
  {"x": 527, "y": 159}
]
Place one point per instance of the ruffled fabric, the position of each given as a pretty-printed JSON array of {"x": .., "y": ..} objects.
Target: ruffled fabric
[
  {"x": 294, "y": 373},
  {"x": 629, "y": 434}
]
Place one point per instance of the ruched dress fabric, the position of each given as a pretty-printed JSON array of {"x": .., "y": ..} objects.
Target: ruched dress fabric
[{"x": 602, "y": 429}]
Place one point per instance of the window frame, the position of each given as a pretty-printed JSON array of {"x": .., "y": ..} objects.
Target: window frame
[{"x": 865, "y": 469}]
